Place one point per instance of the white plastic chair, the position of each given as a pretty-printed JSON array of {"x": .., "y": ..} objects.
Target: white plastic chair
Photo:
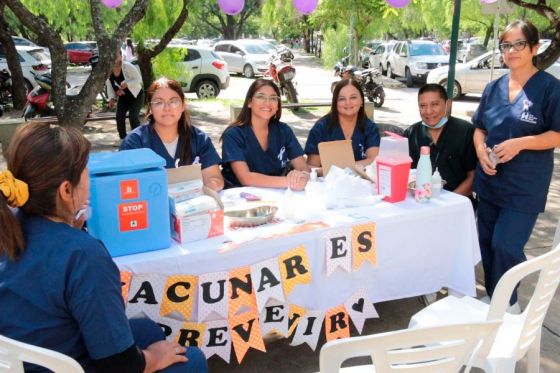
[
  {"x": 519, "y": 335},
  {"x": 424, "y": 350},
  {"x": 14, "y": 353}
]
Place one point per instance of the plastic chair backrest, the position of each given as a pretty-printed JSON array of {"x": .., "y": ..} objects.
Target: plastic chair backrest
[
  {"x": 549, "y": 266},
  {"x": 13, "y": 353},
  {"x": 422, "y": 350}
]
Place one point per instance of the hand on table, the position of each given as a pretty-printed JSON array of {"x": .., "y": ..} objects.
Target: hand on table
[{"x": 297, "y": 179}]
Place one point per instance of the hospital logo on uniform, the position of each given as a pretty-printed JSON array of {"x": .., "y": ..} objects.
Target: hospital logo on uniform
[
  {"x": 526, "y": 116},
  {"x": 281, "y": 156},
  {"x": 362, "y": 151}
]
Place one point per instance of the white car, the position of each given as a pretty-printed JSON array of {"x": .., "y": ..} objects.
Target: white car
[
  {"x": 413, "y": 60},
  {"x": 248, "y": 57},
  {"x": 32, "y": 59},
  {"x": 378, "y": 58},
  {"x": 207, "y": 72},
  {"x": 473, "y": 76}
]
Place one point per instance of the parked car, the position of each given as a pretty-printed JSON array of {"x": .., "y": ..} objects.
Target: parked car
[
  {"x": 473, "y": 76},
  {"x": 468, "y": 51},
  {"x": 368, "y": 47},
  {"x": 32, "y": 59},
  {"x": 245, "y": 56},
  {"x": 18, "y": 40},
  {"x": 208, "y": 72},
  {"x": 378, "y": 58},
  {"x": 413, "y": 60},
  {"x": 80, "y": 52}
]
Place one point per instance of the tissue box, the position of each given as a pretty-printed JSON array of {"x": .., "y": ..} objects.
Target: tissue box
[{"x": 188, "y": 228}]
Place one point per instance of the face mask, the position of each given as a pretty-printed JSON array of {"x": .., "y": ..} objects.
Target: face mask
[{"x": 439, "y": 124}]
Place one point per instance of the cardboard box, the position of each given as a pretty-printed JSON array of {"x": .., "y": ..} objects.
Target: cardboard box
[
  {"x": 200, "y": 226},
  {"x": 339, "y": 153}
]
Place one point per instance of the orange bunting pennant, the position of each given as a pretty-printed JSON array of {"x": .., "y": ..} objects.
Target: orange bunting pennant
[
  {"x": 241, "y": 292},
  {"x": 191, "y": 334},
  {"x": 178, "y": 295},
  {"x": 337, "y": 323},
  {"x": 295, "y": 268},
  {"x": 245, "y": 333},
  {"x": 126, "y": 276},
  {"x": 363, "y": 245},
  {"x": 296, "y": 313}
]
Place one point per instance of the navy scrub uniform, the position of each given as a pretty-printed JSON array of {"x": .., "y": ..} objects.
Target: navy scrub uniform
[
  {"x": 361, "y": 141},
  {"x": 202, "y": 149},
  {"x": 511, "y": 200},
  {"x": 241, "y": 144}
]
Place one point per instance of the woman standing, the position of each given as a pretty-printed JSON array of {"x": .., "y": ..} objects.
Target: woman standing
[
  {"x": 124, "y": 87},
  {"x": 59, "y": 287},
  {"x": 346, "y": 121},
  {"x": 517, "y": 128},
  {"x": 258, "y": 149},
  {"x": 170, "y": 134}
]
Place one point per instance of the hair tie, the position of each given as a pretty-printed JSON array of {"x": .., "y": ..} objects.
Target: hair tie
[{"x": 15, "y": 191}]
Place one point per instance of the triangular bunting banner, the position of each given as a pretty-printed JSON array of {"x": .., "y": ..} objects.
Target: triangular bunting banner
[
  {"x": 213, "y": 297},
  {"x": 338, "y": 250},
  {"x": 308, "y": 329},
  {"x": 179, "y": 295},
  {"x": 274, "y": 318},
  {"x": 360, "y": 308},
  {"x": 296, "y": 313},
  {"x": 125, "y": 285},
  {"x": 217, "y": 340},
  {"x": 245, "y": 333},
  {"x": 267, "y": 282},
  {"x": 145, "y": 294},
  {"x": 241, "y": 292},
  {"x": 295, "y": 268},
  {"x": 191, "y": 334},
  {"x": 336, "y": 323},
  {"x": 363, "y": 245}
]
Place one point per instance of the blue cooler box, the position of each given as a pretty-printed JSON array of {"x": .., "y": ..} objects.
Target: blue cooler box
[{"x": 129, "y": 204}]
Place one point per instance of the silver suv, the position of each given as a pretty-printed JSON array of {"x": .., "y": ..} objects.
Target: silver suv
[
  {"x": 413, "y": 60},
  {"x": 246, "y": 56}
]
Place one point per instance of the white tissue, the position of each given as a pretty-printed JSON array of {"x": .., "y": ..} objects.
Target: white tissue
[{"x": 344, "y": 188}]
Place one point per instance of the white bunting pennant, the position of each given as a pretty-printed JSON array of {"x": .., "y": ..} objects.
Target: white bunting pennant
[
  {"x": 213, "y": 299},
  {"x": 360, "y": 308},
  {"x": 274, "y": 318},
  {"x": 217, "y": 340},
  {"x": 338, "y": 250},
  {"x": 309, "y": 329},
  {"x": 267, "y": 282},
  {"x": 145, "y": 294}
]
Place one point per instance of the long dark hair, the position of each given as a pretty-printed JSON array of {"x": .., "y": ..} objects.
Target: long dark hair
[
  {"x": 42, "y": 156},
  {"x": 530, "y": 32},
  {"x": 184, "y": 127},
  {"x": 332, "y": 116},
  {"x": 244, "y": 116}
]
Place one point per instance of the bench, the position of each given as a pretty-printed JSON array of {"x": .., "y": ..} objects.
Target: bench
[
  {"x": 368, "y": 106},
  {"x": 89, "y": 118}
]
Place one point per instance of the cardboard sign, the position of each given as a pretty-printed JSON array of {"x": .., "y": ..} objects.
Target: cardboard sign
[{"x": 336, "y": 153}]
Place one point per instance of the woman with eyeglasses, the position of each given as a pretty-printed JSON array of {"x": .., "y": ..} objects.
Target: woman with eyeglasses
[
  {"x": 346, "y": 120},
  {"x": 171, "y": 135},
  {"x": 258, "y": 149},
  {"x": 517, "y": 127}
]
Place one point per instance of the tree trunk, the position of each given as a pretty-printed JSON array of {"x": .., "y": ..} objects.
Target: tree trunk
[
  {"x": 229, "y": 29},
  {"x": 145, "y": 64},
  {"x": 18, "y": 82},
  {"x": 488, "y": 35}
]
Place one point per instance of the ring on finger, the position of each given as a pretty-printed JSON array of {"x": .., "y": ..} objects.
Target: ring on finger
[{"x": 177, "y": 350}]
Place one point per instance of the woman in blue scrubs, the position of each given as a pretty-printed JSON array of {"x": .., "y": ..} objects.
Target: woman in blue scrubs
[
  {"x": 347, "y": 120},
  {"x": 59, "y": 287},
  {"x": 517, "y": 128},
  {"x": 258, "y": 149},
  {"x": 171, "y": 135}
]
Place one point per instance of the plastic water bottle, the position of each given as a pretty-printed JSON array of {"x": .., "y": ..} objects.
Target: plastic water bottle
[
  {"x": 436, "y": 184},
  {"x": 423, "y": 190},
  {"x": 289, "y": 204}
]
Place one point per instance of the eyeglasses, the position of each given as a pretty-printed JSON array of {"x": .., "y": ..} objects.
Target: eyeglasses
[
  {"x": 174, "y": 103},
  {"x": 262, "y": 98},
  {"x": 518, "y": 46}
]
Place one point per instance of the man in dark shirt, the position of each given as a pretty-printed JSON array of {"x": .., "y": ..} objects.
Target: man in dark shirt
[{"x": 450, "y": 140}]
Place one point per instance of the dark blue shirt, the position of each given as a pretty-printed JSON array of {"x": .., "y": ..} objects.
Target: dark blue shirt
[
  {"x": 241, "y": 144},
  {"x": 522, "y": 183},
  {"x": 361, "y": 141},
  {"x": 63, "y": 293},
  {"x": 202, "y": 149}
]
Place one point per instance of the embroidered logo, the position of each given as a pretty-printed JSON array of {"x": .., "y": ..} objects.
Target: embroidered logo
[
  {"x": 196, "y": 160},
  {"x": 362, "y": 151},
  {"x": 526, "y": 116},
  {"x": 281, "y": 156}
]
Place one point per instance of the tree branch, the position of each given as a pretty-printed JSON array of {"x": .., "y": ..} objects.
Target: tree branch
[{"x": 171, "y": 32}]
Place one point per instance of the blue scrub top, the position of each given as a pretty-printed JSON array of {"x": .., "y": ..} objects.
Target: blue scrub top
[
  {"x": 202, "y": 149},
  {"x": 522, "y": 183},
  {"x": 361, "y": 141},
  {"x": 241, "y": 144},
  {"x": 63, "y": 293}
]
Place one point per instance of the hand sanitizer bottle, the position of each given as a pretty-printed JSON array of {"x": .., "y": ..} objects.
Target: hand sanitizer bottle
[
  {"x": 289, "y": 204},
  {"x": 436, "y": 184}
]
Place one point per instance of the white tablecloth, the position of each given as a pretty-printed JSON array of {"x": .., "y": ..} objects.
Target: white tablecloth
[{"x": 420, "y": 249}]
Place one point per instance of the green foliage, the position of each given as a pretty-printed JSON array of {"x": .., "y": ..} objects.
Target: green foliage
[
  {"x": 333, "y": 47},
  {"x": 169, "y": 63}
]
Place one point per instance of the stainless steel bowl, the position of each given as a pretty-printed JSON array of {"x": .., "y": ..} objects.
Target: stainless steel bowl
[{"x": 251, "y": 217}]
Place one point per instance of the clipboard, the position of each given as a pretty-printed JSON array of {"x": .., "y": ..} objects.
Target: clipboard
[{"x": 339, "y": 153}]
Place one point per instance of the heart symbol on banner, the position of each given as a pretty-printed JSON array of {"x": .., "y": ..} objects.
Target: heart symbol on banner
[{"x": 359, "y": 305}]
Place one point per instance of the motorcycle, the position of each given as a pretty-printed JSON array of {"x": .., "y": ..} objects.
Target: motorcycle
[
  {"x": 5, "y": 86},
  {"x": 39, "y": 98},
  {"x": 369, "y": 80},
  {"x": 282, "y": 71}
]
